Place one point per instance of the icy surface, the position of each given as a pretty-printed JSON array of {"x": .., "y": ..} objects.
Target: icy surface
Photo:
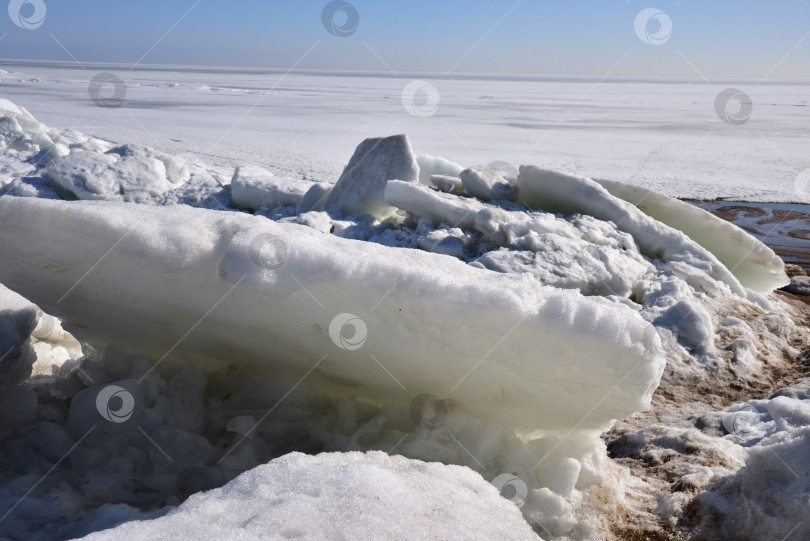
[
  {"x": 587, "y": 255},
  {"x": 784, "y": 227},
  {"x": 436, "y": 165},
  {"x": 31, "y": 342},
  {"x": 341, "y": 496},
  {"x": 253, "y": 187},
  {"x": 618, "y": 128},
  {"x": 376, "y": 161},
  {"x": 485, "y": 184},
  {"x": 446, "y": 183},
  {"x": 423, "y": 202},
  {"x": 558, "y": 192},
  {"x": 755, "y": 265}
]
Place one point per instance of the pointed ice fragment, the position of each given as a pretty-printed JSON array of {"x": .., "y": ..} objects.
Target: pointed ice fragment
[{"x": 376, "y": 161}]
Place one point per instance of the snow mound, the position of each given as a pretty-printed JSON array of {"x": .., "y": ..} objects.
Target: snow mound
[
  {"x": 129, "y": 173},
  {"x": 80, "y": 166},
  {"x": 341, "y": 496},
  {"x": 767, "y": 497}
]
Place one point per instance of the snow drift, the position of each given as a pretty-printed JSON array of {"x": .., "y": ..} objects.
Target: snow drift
[{"x": 382, "y": 497}]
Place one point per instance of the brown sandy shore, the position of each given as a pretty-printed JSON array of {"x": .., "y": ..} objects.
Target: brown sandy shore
[{"x": 687, "y": 405}]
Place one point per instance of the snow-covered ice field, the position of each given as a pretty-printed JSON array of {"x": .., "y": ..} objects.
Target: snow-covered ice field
[
  {"x": 662, "y": 133},
  {"x": 242, "y": 305}
]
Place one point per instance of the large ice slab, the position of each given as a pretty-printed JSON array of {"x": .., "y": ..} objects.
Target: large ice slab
[
  {"x": 341, "y": 496},
  {"x": 254, "y": 187},
  {"x": 436, "y": 165},
  {"x": 754, "y": 264},
  {"x": 423, "y": 202},
  {"x": 485, "y": 184},
  {"x": 275, "y": 298}
]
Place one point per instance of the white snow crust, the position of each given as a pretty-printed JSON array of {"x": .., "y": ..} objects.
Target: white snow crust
[{"x": 340, "y": 496}]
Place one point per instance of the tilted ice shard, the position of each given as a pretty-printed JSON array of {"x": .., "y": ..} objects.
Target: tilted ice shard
[
  {"x": 485, "y": 184},
  {"x": 375, "y": 161},
  {"x": 754, "y": 264},
  {"x": 265, "y": 295},
  {"x": 436, "y": 165},
  {"x": 560, "y": 192},
  {"x": 446, "y": 183},
  {"x": 443, "y": 208}
]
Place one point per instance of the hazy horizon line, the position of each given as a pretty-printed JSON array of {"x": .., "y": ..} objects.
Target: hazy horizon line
[{"x": 202, "y": 68}]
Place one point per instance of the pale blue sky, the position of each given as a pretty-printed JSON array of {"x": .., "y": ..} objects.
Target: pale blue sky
[{"x": 745, "y": 38}]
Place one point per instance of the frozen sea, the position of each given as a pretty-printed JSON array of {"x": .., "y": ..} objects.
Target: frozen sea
[{"x": 666, "y": 134}]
